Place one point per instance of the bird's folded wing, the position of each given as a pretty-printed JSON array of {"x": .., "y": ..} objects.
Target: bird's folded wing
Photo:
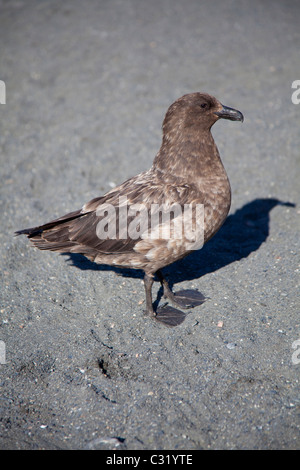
[{"x": 115, "y": 222}]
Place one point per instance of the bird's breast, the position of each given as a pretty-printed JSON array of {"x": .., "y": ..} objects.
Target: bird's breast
[{"x": 217, "y": 201}]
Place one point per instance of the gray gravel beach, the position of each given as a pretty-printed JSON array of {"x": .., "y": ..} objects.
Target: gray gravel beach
[{"x": 87, "y": 87}]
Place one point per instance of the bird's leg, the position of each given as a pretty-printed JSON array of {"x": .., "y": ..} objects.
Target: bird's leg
[
  {"x": 184, "y": 298},
  {"x": 148, "y": 283},
  {"x": 166, "y": 288},
  {"x": 168, "y": 315}
]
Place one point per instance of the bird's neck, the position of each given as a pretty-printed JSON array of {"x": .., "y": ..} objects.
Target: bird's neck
[{"x": 190, "y": 156}]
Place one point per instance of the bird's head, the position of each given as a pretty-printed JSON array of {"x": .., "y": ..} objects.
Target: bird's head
[{"x": 197, "y": 111}]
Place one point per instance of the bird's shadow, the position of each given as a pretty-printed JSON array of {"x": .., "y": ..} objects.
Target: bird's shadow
[{"x": 242, "y": 233}]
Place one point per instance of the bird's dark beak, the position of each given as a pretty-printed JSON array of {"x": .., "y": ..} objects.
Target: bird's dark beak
[{"x": 230, "y": 113}]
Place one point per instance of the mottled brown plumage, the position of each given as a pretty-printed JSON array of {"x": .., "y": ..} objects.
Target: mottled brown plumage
[{"x": 187, "y": 169}]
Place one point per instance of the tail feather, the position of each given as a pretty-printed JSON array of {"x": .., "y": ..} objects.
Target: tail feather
[
  {"x": 36, "y": 231},
  {"x": 55, "y": 236}
]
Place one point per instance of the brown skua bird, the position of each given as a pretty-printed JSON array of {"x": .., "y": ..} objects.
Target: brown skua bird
[{"x": 187, "y": 172}]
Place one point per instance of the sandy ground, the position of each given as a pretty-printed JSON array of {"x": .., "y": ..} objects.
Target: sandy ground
[{"x": 87, "y": 87}]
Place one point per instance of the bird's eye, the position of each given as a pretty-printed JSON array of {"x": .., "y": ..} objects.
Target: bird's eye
[{"x": 203, "y": 105}]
